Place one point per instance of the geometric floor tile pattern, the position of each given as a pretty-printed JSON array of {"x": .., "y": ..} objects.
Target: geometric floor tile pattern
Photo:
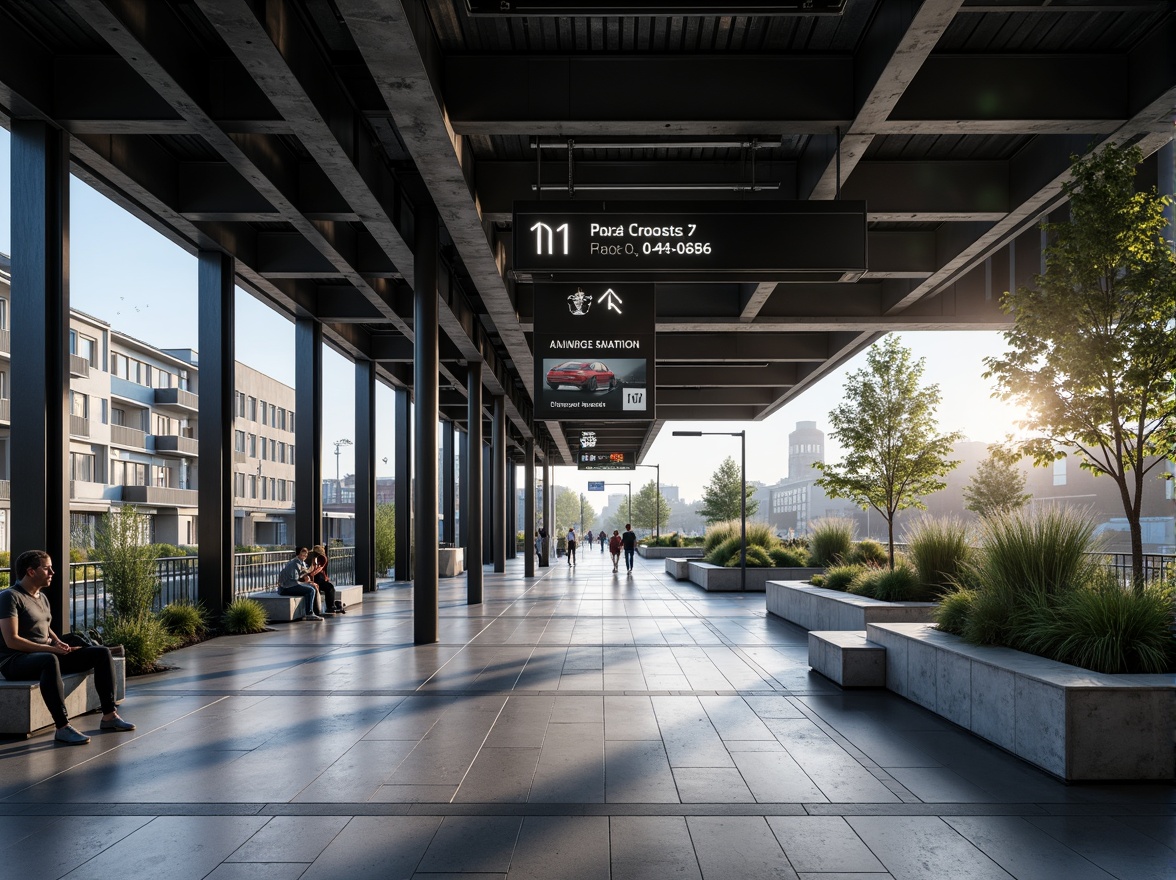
[{"x": 579, "y": 724}]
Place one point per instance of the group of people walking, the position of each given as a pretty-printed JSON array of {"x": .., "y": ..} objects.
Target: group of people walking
[{"x": 617, "y": 544}]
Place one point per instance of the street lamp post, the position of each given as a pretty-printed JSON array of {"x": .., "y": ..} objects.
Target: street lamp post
[
  {"x": 742, "y": 435},
  {"x": 339, "y": 485}
]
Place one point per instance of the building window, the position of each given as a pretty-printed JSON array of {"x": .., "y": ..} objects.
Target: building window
[
  {"x": 264, "y": 412},
  {"x": 253, "y": 485},
  {"x": 163, "y": 426},
  {"x": 251, "y": 408},
  {"x": 3, "y": 314},
  {"x": 239, "y": 485},
  {"x": 273, "y": 450},
  {"x": 291, "y": 421},
  {"x": 239, "y": 441},
  {"x": 264, "y": 493},
  {"x": 82, "y": 466},
  {"x": 1059, "y": 472},
  {"x": 79, "y": 404},
  {"x": 273, "y": 415},
  {"x": 282, "y": 453}
]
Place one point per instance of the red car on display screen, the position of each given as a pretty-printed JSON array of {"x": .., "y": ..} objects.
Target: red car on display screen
[{"x": 585, "y": 375}]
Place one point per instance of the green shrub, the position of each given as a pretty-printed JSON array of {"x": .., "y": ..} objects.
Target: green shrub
[
  {"x": 865, "y": 581},
  {"x": 939, "y": 550},
  {"x": 723, "y": 552},
  {"x": 817, "y": 580},
  {"x": 717, "y": 533},
  {"x": 757, "y": 557},
  {"x": 143, "y": 638},
  {"x": 128, "y": 563},
  {"x": 1106, "y": 628},
  {"x": 1040, "y": 551},
  {"x": 183, "y": 619},
  {"x": 953, "y": 610},
  {"x": 830, "y": 541},
  {"x": 789, "y": 557},
  {"x": 839, "y": 577},
  {"x": 248, "y": 548},
  {"x": 167, "y": 550},
  {"x": 674, "y": 539},
  {"x": 6, "y": 564},
  {"x": 900, "y": 584},
  {"x": 244, "y": 616},
  {"x": 867, "y": 552},
  {"x": 761, "y": 534}
]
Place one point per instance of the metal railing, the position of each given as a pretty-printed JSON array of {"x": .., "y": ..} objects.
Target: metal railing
[
  {"x": 79, "y": 426},
  {"x": 121, "y": 435},
  {"x": 1156, "y": 566},
  {"x": 178, "y": 580},
  {"x": 78, "y": 366}
]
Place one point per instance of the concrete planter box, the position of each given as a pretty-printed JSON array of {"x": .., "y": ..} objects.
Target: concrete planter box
[
  {"x": 667, "y": 552},
  {"x": 678, "y": 567},
  {"x": 1074, "y": 724},
  {"x": 720, "y": 579},
  {"x": 816, "y": 608}
]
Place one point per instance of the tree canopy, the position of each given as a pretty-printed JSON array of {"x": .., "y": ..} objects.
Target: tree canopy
[
  {"x": 650, "y": 508},
  {"x": 996, "y": 487},
  {"x": 1092, "y": 350},
  {"x": 894, "y": 453},
  {"x": 720, "y": 497},
  {"x": 567, "y": 511}
]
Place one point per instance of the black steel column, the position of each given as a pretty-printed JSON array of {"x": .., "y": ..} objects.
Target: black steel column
[
  {"x": 217, "y": 377},
  {"x": 471, "y": 485},
  {"x": 488, "y": 501},
  {"x": 463, "y": 477},
  {"x": 529, "y": 507},
  {"x": 545, "y": 556},
  {"x": 403, "y": 453},
  {"x": 365, "y": 475},
  {"x": 498, "y": 493},
  {"x": 512, "y": 508},
  {"x": 448, "y": 490},
  {"x": 426, "y": 365},
  {"x": 39, "y": 453},
  {"x": 308, "y": 433}
]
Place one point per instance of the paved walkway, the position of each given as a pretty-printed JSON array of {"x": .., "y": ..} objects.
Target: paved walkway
[{"x": 577, "y": 725}]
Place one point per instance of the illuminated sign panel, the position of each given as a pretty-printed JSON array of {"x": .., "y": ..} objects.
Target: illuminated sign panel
[
  {"x": 598, "y": 460},
  {"x": 594, "y": 351},
  {"x": 723, "y": 238}
]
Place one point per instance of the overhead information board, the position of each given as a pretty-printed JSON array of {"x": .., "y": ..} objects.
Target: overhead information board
[
  {"x": 724, "y": 238},
  {"x": 594, "y": 351},
  {"x": 603, "y": 460}
]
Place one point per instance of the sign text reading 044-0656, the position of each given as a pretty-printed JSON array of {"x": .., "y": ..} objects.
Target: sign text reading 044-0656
[{"x": 690, "y": 236}]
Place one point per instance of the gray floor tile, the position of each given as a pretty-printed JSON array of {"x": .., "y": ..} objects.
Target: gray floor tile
[
  {"x": 690, "y": 738},
  {"x": 775, "y": 777},
  {"x": 567, "y": 847},
  {"x": 637, "y": 771},
  {"x": 257, "y": 871},
  {"x": 652, "y": 848},
  {"x": 738, "y": 848},
  {"x": 925, "y": 848},
  {"x": 1119, "y": 850},
  {"x": 841, "y": 875},
  {"x": 818, "y": 844},
  {"x": 45, "y": 848},
  {"x": 290, "y": 839},
  {"x": 1024, "y": 850},
  {"x": 940, "y": 785},
  {"x": 470, "y": 844},
  {"x": 712, "y": 785},
  {"x": 357, "y": 773},
  {"x": 501, "y": 775},
  {"x": 376, "y": 848}
]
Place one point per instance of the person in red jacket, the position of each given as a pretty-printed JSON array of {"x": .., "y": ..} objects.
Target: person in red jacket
[{"x": 614, "y": 547}]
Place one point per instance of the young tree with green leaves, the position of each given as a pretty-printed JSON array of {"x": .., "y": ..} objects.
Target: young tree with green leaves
[
  {"x": 650, "y": 508},
  {"x": 720, "y": 497},
  {"x": 894, "y": 453},
  {"x": 997, "y": 486},
  {"x": 567, "y": 511},
  {"x": 1092, "y": 351},
  {"x": 385, "y": 537}
]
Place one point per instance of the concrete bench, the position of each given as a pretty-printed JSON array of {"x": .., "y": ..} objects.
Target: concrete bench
[
  {"x": 847, "y": 658},
  {"x": 22, "y": 711},
  {"x": 281, "y": 608},
  {"x": 678, "y": 567}
]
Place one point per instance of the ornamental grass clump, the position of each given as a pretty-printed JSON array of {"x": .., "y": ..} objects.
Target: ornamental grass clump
[
  {"x": 938, "y": 548},
  {"x": 185, "y": 620},
  {"x": 900, "y": 584},
  {"x": 867, "y": 552},
  {"x": 144, "y": 640},
  {"x": 830, "y": 541},
  {"x": 789, "y": 557},
  {"x": 244, "y": 616},
  {"x": 839, "y": 577},
  {"x": 1036, "y": 585},
  {"x": 723, "y": 542}
]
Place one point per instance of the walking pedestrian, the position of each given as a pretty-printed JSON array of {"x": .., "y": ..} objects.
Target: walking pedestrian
[{"x": 629, "y": 540}]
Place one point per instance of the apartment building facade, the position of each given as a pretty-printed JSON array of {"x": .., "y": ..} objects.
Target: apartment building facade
[{"x": 133, "y": 436}]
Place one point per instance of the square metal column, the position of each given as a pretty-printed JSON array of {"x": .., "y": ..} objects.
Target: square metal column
[
  {"x": 217, "y": 378},
  {"x": 308, "y": 434},
  {"x": 40, "y": 351},
  {"x": 365, "y": 474},
  {"x": 529, "y": 507},
  {"x": 472, "y": 508},
  {"x": 403, "y": 453},
  {"x": 498, "y": 506},
  {"x": 448, "y": 487},
  {"x": 426, "y": 366}
]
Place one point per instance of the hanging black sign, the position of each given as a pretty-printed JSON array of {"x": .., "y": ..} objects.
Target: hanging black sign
[
  {"x": 594, "y": 351},
  {"x": 720, "y": 238},
  {"x": 604, "y": 460}
]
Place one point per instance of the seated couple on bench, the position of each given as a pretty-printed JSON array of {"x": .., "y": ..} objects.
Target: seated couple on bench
[
  {"x": 31, "y": 651},
  {"x": 309, "y": 579}
]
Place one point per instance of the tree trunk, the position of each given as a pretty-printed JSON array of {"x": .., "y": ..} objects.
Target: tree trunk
[
  {"x": 1136, "y": 553},
  {"x": 890, "y": 538}
]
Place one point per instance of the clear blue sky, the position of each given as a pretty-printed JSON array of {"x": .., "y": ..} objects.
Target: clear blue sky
[{"x": 124, "y": 273}]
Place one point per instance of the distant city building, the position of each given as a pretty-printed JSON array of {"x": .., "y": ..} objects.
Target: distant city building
[{"x": 795, "y": 502}]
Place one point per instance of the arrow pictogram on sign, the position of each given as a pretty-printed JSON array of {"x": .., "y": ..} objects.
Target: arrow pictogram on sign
[{"x": 611, "y": 300}]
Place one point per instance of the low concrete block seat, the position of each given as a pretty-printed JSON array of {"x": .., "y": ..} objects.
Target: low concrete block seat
[
  {"x": 278, "y": 607},
  {"x": 847, "y": 658},
  {"x": 352, "y": 594},
  {"x": 678, "y": 567},
  {"x": 23, "y": 712}
]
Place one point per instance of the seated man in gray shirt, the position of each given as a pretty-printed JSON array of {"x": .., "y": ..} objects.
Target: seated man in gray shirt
[{"x": 295, "y": 580}]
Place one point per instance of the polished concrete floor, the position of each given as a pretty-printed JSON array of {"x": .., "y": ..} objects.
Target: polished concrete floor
[{"x": 580, "y": 724}]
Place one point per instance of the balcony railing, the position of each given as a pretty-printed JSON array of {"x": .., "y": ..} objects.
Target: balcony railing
[
  {"x": 78, "y": 366},
  {"x": 252, "y": 573},
  {"x": 6, "y": 341},
  {"x": 5, "y": 409},
  {"x": 161, "y": 495},
  {"x": 79, "y": 426},
  {"x": 5, "y": 490},
  {"x": 177, "y": 398},
  {"x": 121, "y": 435},
  {"x": 170, "y": 443}
]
